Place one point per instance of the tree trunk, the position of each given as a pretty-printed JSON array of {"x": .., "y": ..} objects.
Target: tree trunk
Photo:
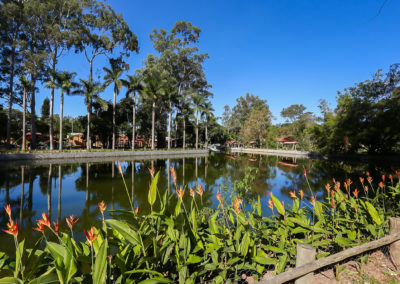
[
  {"x": 153, "y": 118},
  {"x": 33, "y": 114},
  {"x": 133, "y": 122},
  {"x": 60, "y": 141},
  {"x": 197, "y": 130},
  {"x": 113, "y": 121},
  {"x": 23, "y": 146},
  {"x": 10, "y": 96},
  {"x": 52, "y": 102},
  {"x": 206, "y": 132},
  {"x": 176, "y": 132},
  {"x": 89, "y": 110},
  {"x": 169, "y": 126},
  {"x": 184, "y": 133}
]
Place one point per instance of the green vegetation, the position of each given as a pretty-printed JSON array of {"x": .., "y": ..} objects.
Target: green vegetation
[{"x": 182, "y": 241}]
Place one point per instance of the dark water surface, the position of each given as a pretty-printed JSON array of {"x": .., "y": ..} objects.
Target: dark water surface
[{"x": 75, "y": 189}]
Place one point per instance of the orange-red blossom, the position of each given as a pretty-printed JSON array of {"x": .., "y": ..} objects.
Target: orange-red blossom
[
  {"x": 301, "y": 194},
  {"x": 236, "y": 204},
  {"x": 173, "y": 174},
  {"x": 355, "y": 193},
  {"x": 200, "y": 190},
  {"x": 71, "y": 221},
  {"x": 8, "y": 210},
  {"x": 381, "y": 184},
  {"x": 56, "y": 227},
  {"x": 91, "y": 235},
  {"x": 180, "y": 192},
  {"x": 45, "y": 220},
  {"x": 40, "y": 226},
  {"x": 270, "y": 204},
  {"x": 152, "y": 171},
  {"x": 102, "y": 207},
  {"x": 191, "y": 192},
  {"x": 219, "y": 199},
  {"x": 293, "y": 194},
  {"x": 12, "y": 228}
]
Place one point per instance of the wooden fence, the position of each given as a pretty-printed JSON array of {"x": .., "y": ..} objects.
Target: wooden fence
[{"x": 306, "y": 263}]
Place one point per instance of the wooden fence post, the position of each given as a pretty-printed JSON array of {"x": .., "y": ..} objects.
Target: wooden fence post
[
  {"x": 394, "y": 248},
  {"x": 305, "y": 254}
]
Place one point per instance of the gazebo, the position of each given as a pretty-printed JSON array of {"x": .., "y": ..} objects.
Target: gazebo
[{"x": 286, "y": 142}]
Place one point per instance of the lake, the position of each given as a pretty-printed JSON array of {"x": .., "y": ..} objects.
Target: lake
[{"x": 67, "y": 189}]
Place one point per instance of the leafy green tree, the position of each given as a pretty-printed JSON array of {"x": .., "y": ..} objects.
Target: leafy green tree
[
  {"x": 198, "y": 102},
  {"x": 113, "y": 76},
  {"x": 256, "y": 125},
  {"x": 45, "y": 109},
  {"x": 293, "y": 112},
  {"x": 133, "y": 85},
  {"x": 206, "y": 113}
]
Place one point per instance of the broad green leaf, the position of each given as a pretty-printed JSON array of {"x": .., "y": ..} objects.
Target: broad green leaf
[
  {"x": 125, "y": 231},
  {"x": 193, "y": 259},
  {"x": 278, "y": 205},
  {"x": 100, "y": 265},
  {"x": 18, "y": 259},
  {"x": 373, "y": 213},
  {"x": 153, "y": 190},
  {"x": 155, "y": 281},
  {"x": 265, "y": 260},
  {"x": 10, "y": 280},
  {"x": 259, "y": 211},
  {"x": 244, "y": 245},
  {"x": 47, "y": 278}
]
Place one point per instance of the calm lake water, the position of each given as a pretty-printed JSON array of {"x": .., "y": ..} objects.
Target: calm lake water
[{"x": 75, "y": 189}]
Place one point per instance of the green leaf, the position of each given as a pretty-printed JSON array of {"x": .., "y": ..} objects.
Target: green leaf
[
  {"x": 153, "y": 190},
  {"x": 278, "y": 205},
  {"x": 265, "y": 260},
  {"x": 10, "y": 280},
  {"x": 49, "y": 277},
  {"x": 155, "y": 281},
  {"x": 259, "y": 211},
  {"x": 18, "y": 259},
  {"x": 100, "y": 265},
  {"x": 125, "y": 231},
  {"x": 244, "y": 245},
  {"x": 373, "y": 213},
  {"x": 193, "y": 259}
]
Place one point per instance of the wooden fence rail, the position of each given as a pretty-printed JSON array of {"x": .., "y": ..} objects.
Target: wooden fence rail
[{"x": 302, "y": 273}]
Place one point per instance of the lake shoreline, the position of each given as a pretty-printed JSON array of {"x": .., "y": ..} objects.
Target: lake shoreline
[
  {"x": 317, "y": 155},
  {"x": 54, "y": 157}
]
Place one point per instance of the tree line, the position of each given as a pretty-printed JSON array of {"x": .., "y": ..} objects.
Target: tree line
[
  {"x": 365, "y": 120},
  {"x": 36, "y": 34}
]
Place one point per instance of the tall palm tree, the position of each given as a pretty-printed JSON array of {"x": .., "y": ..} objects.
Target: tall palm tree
[
  {"x": 91, "y": 91},
  {"x": 198, "y": 101},
  {"x": 113, "y": 76},
  {"x": 64, "y": 82},
  {"x": 170, "y": 91},
  {"x": 133, "y": 85},
  {"x": 153, "y": 87},
  {"x": 207, "y": 112},
  {"x": 25, "y": 86}
]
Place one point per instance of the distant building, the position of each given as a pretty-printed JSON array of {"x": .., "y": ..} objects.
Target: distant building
[
  {"x": 287, "y": 142},
  {"x": 76, "y": 139}
]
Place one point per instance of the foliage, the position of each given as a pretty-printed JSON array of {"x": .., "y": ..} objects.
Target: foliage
[{"x": 183, "y": 243}]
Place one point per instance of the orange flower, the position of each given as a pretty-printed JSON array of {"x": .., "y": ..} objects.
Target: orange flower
[
  {"x": 91, "y": 236},
  {"x": 56, "y": 227},
  {"x": 40, "y": 226},
  {"x": 313, "y": 200},
  {"x": 110, "y": 257},
  {"x": 381, "y": 184},
  {"x": 348, "y": 181},
  {"x": 180, "y": 192},
  {"x": 12, "y": 228},
  {"x": 137, "y": 209},
  {"x": 45, "y": 220},
  {"x": 152, "y": 171},
  {"x": 200, "y": 190},
  {"x": 219, "y": 199},
  {"x": 391, "y": 178},
  {"x": 191, "y": 192},
  {"x": 367, "y": 173},
  {"x": 366, "y": 188},
  {"x": 355, "y": 193},
  {"x": 270, "y": 204},
  {"x": 8, "y": 210},
  {"x": 173, "y": 174},
  {"x": 102, "y": 207},
  {"x": 337, "y": 186},
  {"x": 369, "y": 179},
  {"x": 236, "y": 204},
  {"x": 333, "y": 203},
  {"x": 305, "y": 172},
  {"x": 383, "y": 177},
  {"x": 345, "y": 185},
  {"x": 328, "y": 187},
  {"x": 362, "y": 180},
  {"x": 293, "y": 194},
  {"x": 301, "y": 194},
  {"x": 398, "y": 174},
  {"x": 71, "y": 221},
  {"x": 120, "y": 168}
]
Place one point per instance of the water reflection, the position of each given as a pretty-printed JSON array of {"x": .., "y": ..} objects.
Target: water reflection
[{"x": 79, "y": 187}]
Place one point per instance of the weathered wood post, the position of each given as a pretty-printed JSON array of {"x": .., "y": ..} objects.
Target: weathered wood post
[
  {"x": 394, "y": 248},
  {"x": 305, "y": 254}
]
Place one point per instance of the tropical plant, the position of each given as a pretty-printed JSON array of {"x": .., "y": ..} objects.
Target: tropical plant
[{"x": 113, "y": 76}]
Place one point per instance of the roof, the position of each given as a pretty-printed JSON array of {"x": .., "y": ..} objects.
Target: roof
[{"x": 288, "y": 140}]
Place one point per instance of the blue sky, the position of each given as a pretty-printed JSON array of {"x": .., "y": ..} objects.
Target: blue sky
[{"x": 286, "y": 52}]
